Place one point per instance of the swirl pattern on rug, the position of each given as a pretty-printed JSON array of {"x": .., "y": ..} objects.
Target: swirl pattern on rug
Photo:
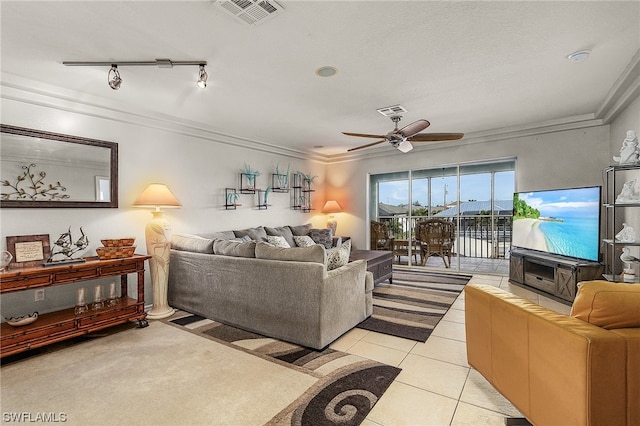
[{"x": 348, "y": 386}]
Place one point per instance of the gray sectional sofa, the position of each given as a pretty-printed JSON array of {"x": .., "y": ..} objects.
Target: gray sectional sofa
[{"x": 284, "y": 293}]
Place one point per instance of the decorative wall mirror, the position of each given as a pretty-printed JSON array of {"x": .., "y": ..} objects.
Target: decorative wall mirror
[{"x": 43, "y": 169}]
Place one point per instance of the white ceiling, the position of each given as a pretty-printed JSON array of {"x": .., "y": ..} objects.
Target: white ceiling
[{"x": 465, "y": 66}]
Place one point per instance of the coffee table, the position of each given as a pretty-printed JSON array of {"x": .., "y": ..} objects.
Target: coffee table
[{"x": 379, "y": 263}]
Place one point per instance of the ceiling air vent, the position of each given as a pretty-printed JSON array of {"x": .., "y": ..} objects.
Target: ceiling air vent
[
  {"x": 392, "y": 110},
  {"x": 250, "y": 12}
]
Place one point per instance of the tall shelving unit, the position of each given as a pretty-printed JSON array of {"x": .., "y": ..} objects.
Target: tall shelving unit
[{"x": 614, "y": 177}]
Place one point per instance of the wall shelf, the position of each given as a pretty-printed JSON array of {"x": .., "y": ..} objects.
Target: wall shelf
[
  {"x": 230, "y": 199},
  {"x": 279, "y": 183},
  {"x": 614, "y": 216}
]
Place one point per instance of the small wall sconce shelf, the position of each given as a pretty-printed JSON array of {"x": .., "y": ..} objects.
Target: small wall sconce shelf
[
  {"x": 301, "y": 198},
  {"x": 262, "y": 199},
  {"x": 279, "y": 183},
  {"x": 247, "y": 183},
  {"x": 231, "y": 199}
]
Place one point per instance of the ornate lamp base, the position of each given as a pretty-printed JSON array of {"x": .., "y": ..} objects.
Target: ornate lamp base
[{"x": 158, "y": 239}]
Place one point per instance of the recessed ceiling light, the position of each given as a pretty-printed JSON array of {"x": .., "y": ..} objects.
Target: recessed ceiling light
[
  {"x": 318, "y": 146},
  {"x": 326, "y": 71},
  {"x": 579, "y": 56}
]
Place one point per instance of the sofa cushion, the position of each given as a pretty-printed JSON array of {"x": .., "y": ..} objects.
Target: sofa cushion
[
  {"x": 234, "y": 248},
  {"x": 278, "y": 241},
  {"x": 283, "y": 231},
  {"x": 338, "y": 256},
  {"x": 301, "y": 229},
  {"x": 242, "y": 239},
  {"x": 256, "y": 234},
  {"x": 194, "y": 243},
  {"x": 315, "y": 253},
  {"x": 303, "y": 240},
  {"x": 223, "y": 235},
  {"x": 322, "y": 236},
  {"x": 608, "y": 305}
]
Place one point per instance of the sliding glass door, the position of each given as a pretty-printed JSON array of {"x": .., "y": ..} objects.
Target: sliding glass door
[{"x": 476, "y": 197}]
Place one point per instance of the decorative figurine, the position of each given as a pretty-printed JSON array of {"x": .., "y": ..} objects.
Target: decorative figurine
[
  {"x": 64, "y": 246},
  {"x": 629, "y": 150},
  {"x": 626, "y": 235},
  {"x": 628, "y": 259},
  {"x": 5, "y": 260},
  {"x": 629, "y": 194}
]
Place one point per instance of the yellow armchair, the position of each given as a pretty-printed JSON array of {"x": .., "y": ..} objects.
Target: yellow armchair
[{"x": 579, "y": 369}]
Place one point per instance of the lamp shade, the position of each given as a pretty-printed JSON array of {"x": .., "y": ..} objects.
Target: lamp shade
[
  {"x": 157, "y": 195},
  {"x": 331, "y": 206}
]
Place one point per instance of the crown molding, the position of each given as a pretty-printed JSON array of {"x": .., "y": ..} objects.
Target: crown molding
[
  {"x": 23, "y": 90},
  {"x": 624, "y": 91}
]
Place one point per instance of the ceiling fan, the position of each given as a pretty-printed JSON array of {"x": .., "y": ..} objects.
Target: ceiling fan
[{"x": 402, "y": 138}]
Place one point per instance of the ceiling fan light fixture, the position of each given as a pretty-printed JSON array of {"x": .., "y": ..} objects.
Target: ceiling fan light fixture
[
  {"x": 404, "y": 146},
  {"x": 114, "y": 77},
  {"x": 202, "y": 77}
]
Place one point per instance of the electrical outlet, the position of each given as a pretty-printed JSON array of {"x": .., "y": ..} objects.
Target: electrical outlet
[{"x": 39, "y": 294}]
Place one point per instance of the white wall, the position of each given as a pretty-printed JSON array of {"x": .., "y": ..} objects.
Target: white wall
[
  {"x": 561, "y": 159},
  {"x": 197, "y": 171}
]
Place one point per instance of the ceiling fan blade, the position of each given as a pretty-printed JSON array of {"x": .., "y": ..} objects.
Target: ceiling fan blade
[
  {"x": 435, "y": 137},
  {"x": 413, "y": 128},
  {"x": 363, "y": 135},
  {"x": 366, "y": 146}
]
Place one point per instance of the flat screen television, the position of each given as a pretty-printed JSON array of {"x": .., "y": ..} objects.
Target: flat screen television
[{"x": 560, "y": 221}]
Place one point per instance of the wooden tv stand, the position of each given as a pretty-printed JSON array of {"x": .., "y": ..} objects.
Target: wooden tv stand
[
  {"x": 61, "y": 325},
  {"x": 551, "y": 275}
]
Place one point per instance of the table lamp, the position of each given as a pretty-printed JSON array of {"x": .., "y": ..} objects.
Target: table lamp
[
  {"x": 158, "y": 239},
  {"x": 331, "y": 207}
]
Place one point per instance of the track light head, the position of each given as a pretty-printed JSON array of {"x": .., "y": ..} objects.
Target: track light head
[
  {"x": 114, "y": 77},
  {"x": 202, "y": 77}
]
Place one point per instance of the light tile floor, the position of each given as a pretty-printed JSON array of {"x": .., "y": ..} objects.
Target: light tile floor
[{"x": 436, "y": 385}]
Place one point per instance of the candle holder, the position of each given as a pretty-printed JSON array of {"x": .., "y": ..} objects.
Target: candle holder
[
  {"x": 113, "y": 295},
  {"x": 81, "y": 301},
  {"x": 98, "y": 299}
]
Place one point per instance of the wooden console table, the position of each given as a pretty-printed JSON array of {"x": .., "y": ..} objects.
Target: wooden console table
[
  {"x": 61, "y": 325},
  {"x": 379, "y": 263}
]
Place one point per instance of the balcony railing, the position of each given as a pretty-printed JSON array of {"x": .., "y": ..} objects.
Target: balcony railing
[{"x": 481, "y": 236}]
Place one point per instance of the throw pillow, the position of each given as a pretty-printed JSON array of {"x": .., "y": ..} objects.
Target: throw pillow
[
  {"x": 256, "y": 234},
  {"x": 607, "y": 305},
  {"x": 284, "y": 231},
  {"x": 322, "y": 236},
  {"x": 338, "y": 256},
  {"x": 194, "y": 243},
  {"x": 278, "y": 241},
  {"x": 301, "y": 229},
  {"x": 315, "y": 253},
  {"x": 303, "y": 240},
  {"x": 234, "y": 248},
  {"x": 242, "y": 239}
]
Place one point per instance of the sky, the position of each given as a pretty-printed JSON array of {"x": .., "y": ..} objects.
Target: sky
[
  {"x": 565, "y": 202},
  {"x": 472, "y": 187}
]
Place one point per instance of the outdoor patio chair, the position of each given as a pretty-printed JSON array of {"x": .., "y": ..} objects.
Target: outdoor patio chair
[
  {"x": 436, "y": 237},
  {"x": 380, "y": 239}
]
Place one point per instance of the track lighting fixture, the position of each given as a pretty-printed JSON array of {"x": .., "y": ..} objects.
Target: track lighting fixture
[
  {"x": 202, "y": 77},
  {"x": 114, "y": 77}
]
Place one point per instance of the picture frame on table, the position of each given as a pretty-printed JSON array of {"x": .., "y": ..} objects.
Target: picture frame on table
[{"x": 29, "y": 251}]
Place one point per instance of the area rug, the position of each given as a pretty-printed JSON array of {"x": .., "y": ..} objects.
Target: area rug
[
  {"x": 348, "y": 386},
  {"x": 413, "y": 305}
]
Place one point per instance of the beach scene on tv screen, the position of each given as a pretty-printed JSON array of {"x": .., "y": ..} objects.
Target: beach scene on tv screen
[{"x": 564, "y": 222}]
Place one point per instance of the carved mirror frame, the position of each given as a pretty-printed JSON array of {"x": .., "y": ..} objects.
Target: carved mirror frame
[{"x": 113, "y": 167}]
